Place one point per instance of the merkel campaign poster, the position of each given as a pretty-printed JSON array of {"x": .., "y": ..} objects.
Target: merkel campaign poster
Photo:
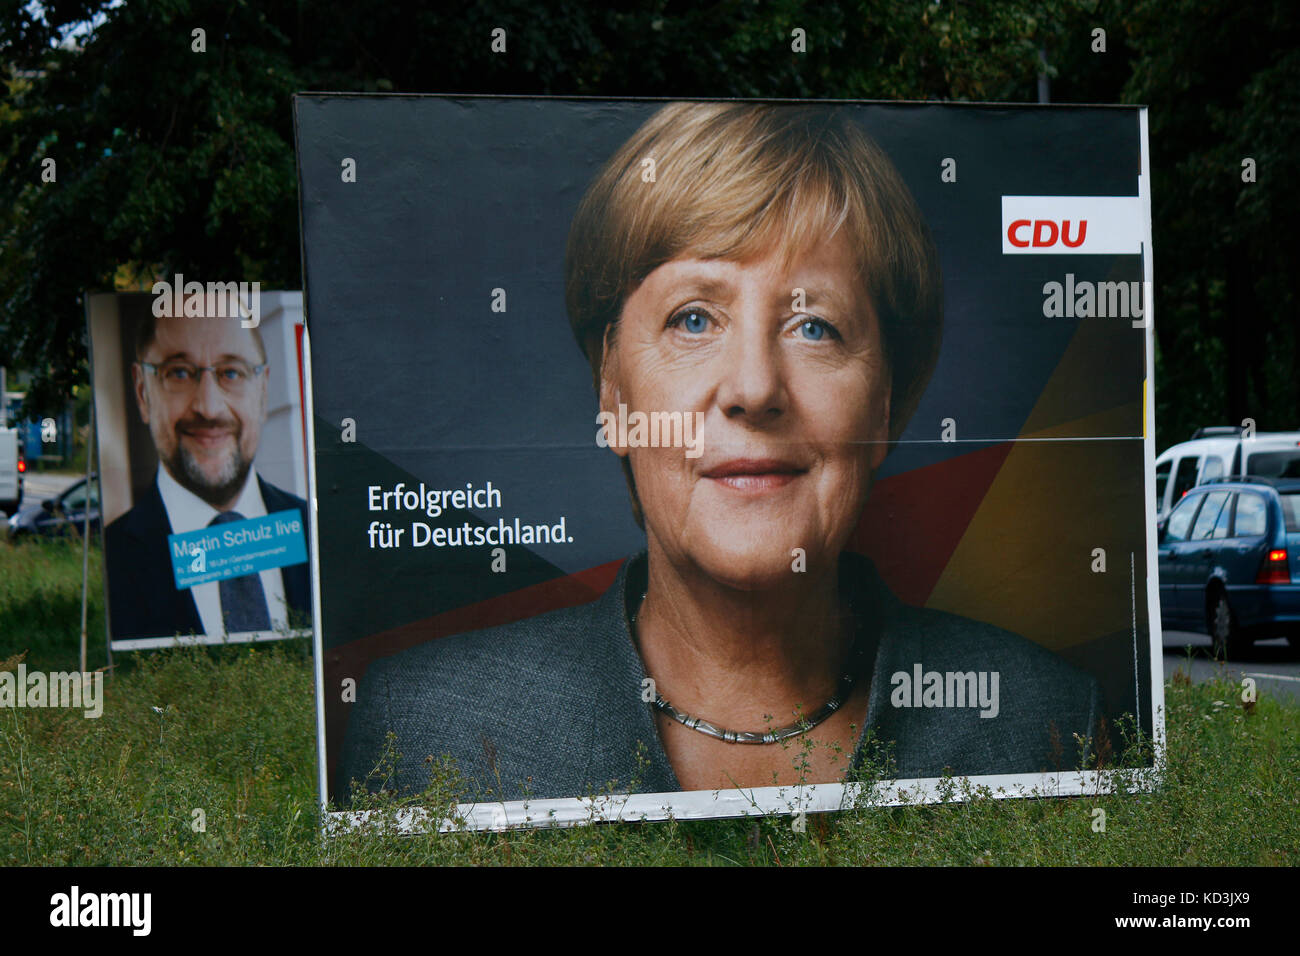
[
  {"x": 708, "y": 458},
  {"x": 202, "y": 463}
]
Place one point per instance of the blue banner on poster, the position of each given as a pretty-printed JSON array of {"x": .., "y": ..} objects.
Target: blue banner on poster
[{"x": 238, "y": 548}]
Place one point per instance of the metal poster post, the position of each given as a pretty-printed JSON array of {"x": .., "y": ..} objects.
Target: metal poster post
[{"x": 85, "y": 535}]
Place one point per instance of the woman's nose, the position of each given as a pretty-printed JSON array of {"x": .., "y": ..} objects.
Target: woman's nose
[{"x": 752, "y": 382}]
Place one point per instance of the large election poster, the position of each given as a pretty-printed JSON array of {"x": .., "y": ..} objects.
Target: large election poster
[
  {"x": 723, "y": 457},
  {"x": 202, "y": 463}
]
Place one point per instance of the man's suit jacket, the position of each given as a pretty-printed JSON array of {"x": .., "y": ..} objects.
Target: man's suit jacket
[
  {"x": 143, "y": 600},
  {"x": 551, "y": 706}
]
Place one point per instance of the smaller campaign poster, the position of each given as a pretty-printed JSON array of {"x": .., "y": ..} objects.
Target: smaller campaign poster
[{"x": 198, "y": 403}]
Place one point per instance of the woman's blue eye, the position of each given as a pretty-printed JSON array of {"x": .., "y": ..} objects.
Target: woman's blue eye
[
  {"x": 814, "y": 330},
  {"x": 692, "y": 321}
]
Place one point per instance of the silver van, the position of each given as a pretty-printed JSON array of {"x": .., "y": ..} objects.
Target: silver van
[
  {"x": 11, "y": 470},
  {"x": 1222, "y": 452}
]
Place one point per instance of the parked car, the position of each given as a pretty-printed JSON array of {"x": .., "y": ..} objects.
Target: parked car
[
  {"x": 61, "y": 515},
  {"x": 1222, "y": 452},
  {"x": 1229, "y": 557},
  {"x": 12, "y": 467}
]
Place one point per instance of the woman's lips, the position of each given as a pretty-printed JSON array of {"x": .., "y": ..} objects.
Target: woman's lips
[{"x": 754, "y": 474}]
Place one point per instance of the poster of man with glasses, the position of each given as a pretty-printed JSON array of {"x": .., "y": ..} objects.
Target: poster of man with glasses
[{"x": 202, "y": 467}]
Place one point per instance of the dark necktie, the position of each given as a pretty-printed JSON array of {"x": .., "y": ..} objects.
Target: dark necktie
[{"x": 243, "y": 602}]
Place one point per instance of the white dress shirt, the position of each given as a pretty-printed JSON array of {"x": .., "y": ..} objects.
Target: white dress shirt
[{"x": 186, "y": 511}]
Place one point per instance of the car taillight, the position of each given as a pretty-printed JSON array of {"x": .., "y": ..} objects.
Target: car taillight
[{"x": 1274, "y": 569}]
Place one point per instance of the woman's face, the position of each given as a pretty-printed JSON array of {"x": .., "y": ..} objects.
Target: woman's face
[{"x": 792, "y": 398}]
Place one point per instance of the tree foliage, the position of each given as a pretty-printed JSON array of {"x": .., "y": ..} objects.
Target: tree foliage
[{"x": 1223, "y": 82}]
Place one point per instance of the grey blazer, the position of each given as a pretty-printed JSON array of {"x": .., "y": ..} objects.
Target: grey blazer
[{"x": 551, "y": 706}]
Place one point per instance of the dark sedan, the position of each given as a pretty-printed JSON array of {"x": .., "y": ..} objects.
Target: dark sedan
[
  {"x": 1229, "y": 552},
  {"x": 61, "y": 516}
]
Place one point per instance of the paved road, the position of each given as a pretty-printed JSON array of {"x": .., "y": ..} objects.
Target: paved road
[
  {"x": 37, "y": 486},
  {"x": 1274, "y": 664}
]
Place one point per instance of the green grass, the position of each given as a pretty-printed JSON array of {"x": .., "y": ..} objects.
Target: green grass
[
  {"x": 40, "y": 603},
  {"x": 235, "y": 739}
]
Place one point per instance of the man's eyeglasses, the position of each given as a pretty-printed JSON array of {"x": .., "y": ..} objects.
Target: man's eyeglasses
[{"x": 182, "y": 378}]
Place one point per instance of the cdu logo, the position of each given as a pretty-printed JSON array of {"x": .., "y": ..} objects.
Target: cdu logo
[{"x": 1073, "y": 225}]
